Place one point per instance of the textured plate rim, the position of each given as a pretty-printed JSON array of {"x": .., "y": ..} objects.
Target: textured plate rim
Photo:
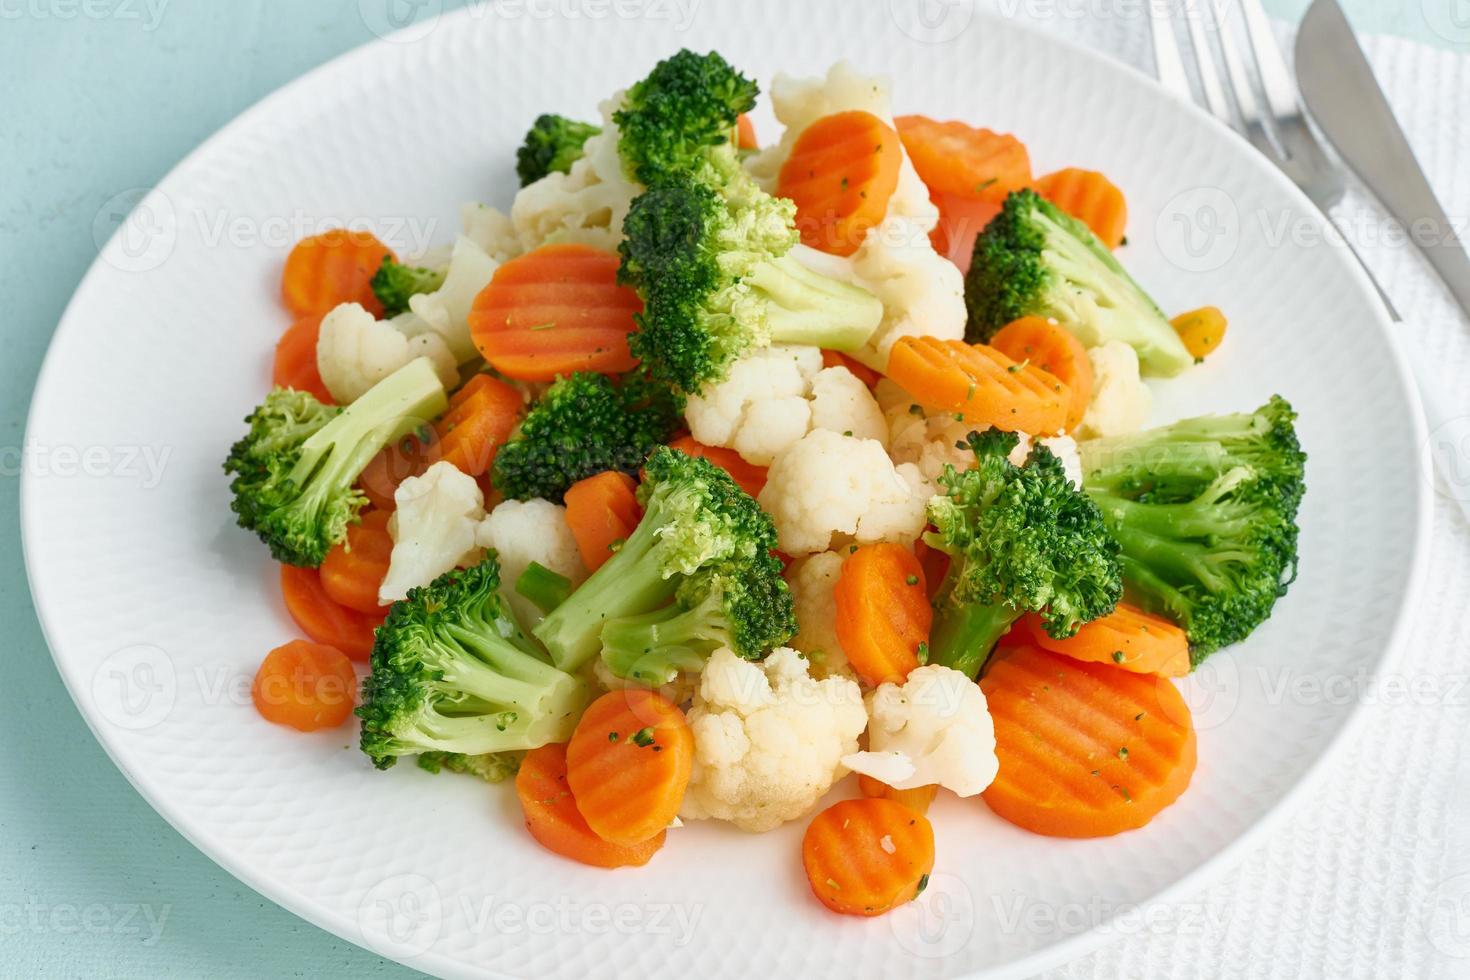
[{"x": 1060, "y": 952}]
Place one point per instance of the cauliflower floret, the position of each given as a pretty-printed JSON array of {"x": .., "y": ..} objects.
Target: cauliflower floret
[
  {"x": 774, "y": 396},
  {"x": 935, "y": 728},
  {"x": 446, "y": 311},
  {"x": 768, "y": 739},
  {"x": 433, "y": 528},
  {"x": 523, "y": 531},
  {"x": 1121, "y": 402},
  {"x": 811, "y": 581},
  {"x": 588, "y": 203},
  {"x": 355, "y": 350},
  {"x": 833, "y": 487},
  {"x": 492, "y": 230}
]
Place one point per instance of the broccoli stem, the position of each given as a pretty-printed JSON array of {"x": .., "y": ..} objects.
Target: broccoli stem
[
  {"x": 806, "y": 307},
  {"x": 632, "y": 581},
  {"x": 544, "y": 588},
  {"x": 964, "y": 633},
  {"x": 653, "y": 647}
]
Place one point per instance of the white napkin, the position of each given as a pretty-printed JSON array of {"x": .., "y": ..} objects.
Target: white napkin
[{"x": 1371, "y": 876}]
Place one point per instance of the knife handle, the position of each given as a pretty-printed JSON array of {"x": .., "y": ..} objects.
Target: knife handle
[{"x": 1447, "y": 451}]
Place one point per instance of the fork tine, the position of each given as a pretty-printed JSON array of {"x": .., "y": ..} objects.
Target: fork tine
[
  {"x": 1275, "y": 76},
  {"x": 1167, "y": 61},
  {"x": 1209, "y": 76},
  {"x": 1244, "y": 92}
]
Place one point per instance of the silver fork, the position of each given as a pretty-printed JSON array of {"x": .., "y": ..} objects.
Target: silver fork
[{"x": 1285, "y": 138}]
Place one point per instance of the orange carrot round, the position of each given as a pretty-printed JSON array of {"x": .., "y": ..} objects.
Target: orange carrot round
[
  {"x": 324, "y": 619},
  {"x": 962, "y": 217},
  {"x": 918, "y": 799},
  {"x": 842, "y": 170},
  {"x": 980, "y": 384},
  {"x": 379, "y": 480},
  {"x": 602, "y": 510},
  {"x": 1053, "y": 348},
  {"x": 752, "y": 478},
  {"x": 863, "y": 857},
  {"x": 307, "y": 686},
  {"x": 883, "y": 612},
  {"x": 745, "y": 133},
  {"x": 556, "y": 310},
  {"x": 1202, "y": 330},
  {"x": 1085, "y": 749},
  {"x": 628, "y": 765},
  {"x": 331, "y": 268},
  {"x": 354, "y": 568},
  {"x": 935, "y": 564},
  {"x": 295, "y": 361},
  {"x": 1128, "y": 637},
  {"x": 477, "y": 423},
  {"x": 1091, "y": 198},
  {"x": 957, "y": 158},
  {"x": 553, "y": 819}
]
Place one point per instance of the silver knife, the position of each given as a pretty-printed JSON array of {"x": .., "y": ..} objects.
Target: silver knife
[{"x": 1339, "y": 89}]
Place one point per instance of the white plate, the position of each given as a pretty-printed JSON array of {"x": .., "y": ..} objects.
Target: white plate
[{"x": 158, "y": 609}]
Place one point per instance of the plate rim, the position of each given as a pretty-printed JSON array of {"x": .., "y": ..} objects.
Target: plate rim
[{"x": 1062, "y": 951}]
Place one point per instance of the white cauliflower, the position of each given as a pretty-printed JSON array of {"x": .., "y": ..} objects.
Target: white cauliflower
[
  {"x": 768, "y": 739},
  {"x": 772, "y": 397},
  {"x": 433, "y": 528},
  {"x": 355, "y": 350},
  {"x": 811, "y": 581},
  {"x": 934, "y": 728},
  {"x": 830, "y": 487},
  {"x": 1121, "y": 401},
  {"x": 588, "y": 203},
  {"x": 492, "y": 230},
  {"x": 523, "y": 531},
  {"x": 445, "y": 312}
]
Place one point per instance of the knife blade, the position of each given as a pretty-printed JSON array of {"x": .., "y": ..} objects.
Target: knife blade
[{"x": 1344, "y": 97}]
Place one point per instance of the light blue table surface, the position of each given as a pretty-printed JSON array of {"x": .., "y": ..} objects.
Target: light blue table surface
[{"x": 100, "y": 96}]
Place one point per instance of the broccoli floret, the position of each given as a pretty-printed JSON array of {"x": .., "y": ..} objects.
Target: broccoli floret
[
  {"x": 684, "y": 109},
  {"x": 717, "y": 277},
  {"x": 452, "y": 672},
  {"x": 395, "y": 282},
  {"x": 1034, "y": 259},
  {"x": 552, "y": 145},
  {"x": 297, "y": 468},
  {"x": 695, "y": 517},
  {"x": 1020, "y": 539},
  {"x": 746, "y": 607},
  {"x": 1205, "y": 512},
  {"x": 496, "y": 767},
  {"x": 583, "y": 425}
]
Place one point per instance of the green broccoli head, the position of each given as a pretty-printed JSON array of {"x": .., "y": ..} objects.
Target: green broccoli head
[
  {"x": 1205, "y": 513},
  {"x": 295, "y": 471},
  {"x": 1034, "y": 259},
  {"x": 583, "y": 425},
  {"x": 395, "y": 282},
  {"x": 552, "y": 145},
  {"x": 714, "y": 267},
  {"x": 745, "y": 606},
  {"x": 496, "y": 767},
  {"x": 452, "y": 673},
  {"x": 684, "y": 109},
  {"x": 694, "y": 517},
  {"x": 1020, "y": 539}
]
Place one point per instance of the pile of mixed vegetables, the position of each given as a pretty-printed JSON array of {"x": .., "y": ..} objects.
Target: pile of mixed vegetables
[{"x": 711, "y": 474}]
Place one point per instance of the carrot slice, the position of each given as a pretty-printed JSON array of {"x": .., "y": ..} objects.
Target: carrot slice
[
  {"x": 752, "y": 478},
  {"x": 745, "y": 134},
  {"x": 602, "y": 511},
  {"x": 883, "y": 612},
  {"x": 980, "y": 384},
  {"x": 1054, "y": 349},
  {"x": 957, "y": 158},
  {"x": 962, "y": 217},
  {"x": 477, "y": 423},
  {"x": 553, "y": 819},
  {"x": 628, "y": 764},
  {"x": 935, "y": 564},
  {"x": 863, "y": 857},
  {"x": 307, "y": 686},
  {"x": 865, "y": 374},
  {"x": 408, "y": 457},
  {"x": 1127, "y": 636},
  {"x": 842, "y": 170},
  {"x": 1091, "y": 198},
  {"x": 1085, "y": 749},
  {"x": 295, "y": 362},
  {"x": 332, "y": 268},
  {"x": 324, "y": 619},
  {"x": 1202, "y": 330},
  {"x": 556, "y": 310},
  {"x": 354, "y": 568},
  {"x": 917, "y": 799}
]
